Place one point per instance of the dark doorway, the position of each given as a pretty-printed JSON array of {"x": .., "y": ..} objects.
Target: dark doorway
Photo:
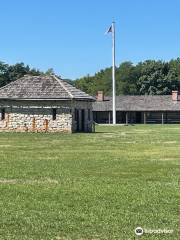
[
  {"x": 138, "y": 117},
  {"x": 82, "y": 119},
  {"x": 123, "y": 117}
]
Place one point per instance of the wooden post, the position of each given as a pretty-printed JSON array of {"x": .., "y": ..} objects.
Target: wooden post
[
  {"x": 33, "y": 124},
  {"x": 46, "y": 125},
  {"x": 126, "y": 118},
  {"x": 162, "y": 118},
  {"x": 144, "y": 117},
  {"x": 109, "y": 115}
]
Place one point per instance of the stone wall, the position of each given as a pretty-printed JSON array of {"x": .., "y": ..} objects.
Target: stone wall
[
  {"x": 30, "y": 117},
  {"x": 37, "y": 116}
]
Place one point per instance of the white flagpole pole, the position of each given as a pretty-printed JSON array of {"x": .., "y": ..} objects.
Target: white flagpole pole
[{"x": 113, "y": 74}]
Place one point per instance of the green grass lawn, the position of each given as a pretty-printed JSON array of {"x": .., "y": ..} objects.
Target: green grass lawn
[{"x": 90, "y": 186}]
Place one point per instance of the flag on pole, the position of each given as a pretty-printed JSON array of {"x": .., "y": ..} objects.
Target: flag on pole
[
  {"x": 109, "y": 30},
  {"x": 112, "y": 30}
]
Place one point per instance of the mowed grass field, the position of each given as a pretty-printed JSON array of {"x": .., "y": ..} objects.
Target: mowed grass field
[{"x": 90, "y": 186}]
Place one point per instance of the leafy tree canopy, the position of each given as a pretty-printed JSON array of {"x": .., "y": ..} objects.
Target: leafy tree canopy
[
  {"x": 10, "y": 73},
  {"x": 148, "y": 77}
]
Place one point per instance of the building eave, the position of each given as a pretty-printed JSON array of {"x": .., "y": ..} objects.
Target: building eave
[{"x": 47, "y": 99}]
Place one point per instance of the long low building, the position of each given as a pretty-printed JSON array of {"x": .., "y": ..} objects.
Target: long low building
[{"x": 138, "y": 109}]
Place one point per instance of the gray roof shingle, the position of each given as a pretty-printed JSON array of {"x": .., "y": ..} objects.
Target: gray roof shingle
[
  {"x": 139, "y": 103},
  {"x": 42, "y": 87}
]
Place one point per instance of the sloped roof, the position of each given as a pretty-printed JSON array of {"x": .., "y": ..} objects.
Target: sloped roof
[
  {"x": 139, "y": 103},
  {"x": 42, "y": 87}
]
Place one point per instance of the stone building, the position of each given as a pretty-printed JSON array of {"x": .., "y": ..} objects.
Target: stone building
[
  {"x": 44, "y": 104},
  {"x": 138, "y": 109}
]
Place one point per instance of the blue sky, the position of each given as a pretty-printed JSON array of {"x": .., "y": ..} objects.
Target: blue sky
[{"x": 68, "y": 35}]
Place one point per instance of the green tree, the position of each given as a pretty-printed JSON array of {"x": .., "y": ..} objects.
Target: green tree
[
  {"x": 50, "y": 71},
  {"x": 126, "y": 79},
  {"x": 9, "y": 73},
  {"x": 156, "y": 78}
]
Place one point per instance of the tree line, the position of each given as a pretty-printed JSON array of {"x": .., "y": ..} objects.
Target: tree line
[
  {"x": 9, "y": 73},
  {"x": 149, "y": 77}
]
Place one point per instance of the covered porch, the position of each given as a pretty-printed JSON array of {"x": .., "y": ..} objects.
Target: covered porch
[{"x": 137, "y": 117}]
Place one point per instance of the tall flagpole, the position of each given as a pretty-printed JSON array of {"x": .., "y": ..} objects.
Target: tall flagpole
[{"x": 113, "y": 74}]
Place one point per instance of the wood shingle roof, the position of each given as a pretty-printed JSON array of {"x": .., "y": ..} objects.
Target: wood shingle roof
[
  {"x": 139, "y": 103},
  {"x": 42, "y": 87}
]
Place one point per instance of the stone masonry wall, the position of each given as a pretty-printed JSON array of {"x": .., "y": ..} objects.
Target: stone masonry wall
[
  {"x": 36, "y": 116},
  {"x": 28, "y": 118}
]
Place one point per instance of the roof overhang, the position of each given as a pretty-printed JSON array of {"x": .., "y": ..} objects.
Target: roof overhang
[{"x": 48, "y": 99}]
